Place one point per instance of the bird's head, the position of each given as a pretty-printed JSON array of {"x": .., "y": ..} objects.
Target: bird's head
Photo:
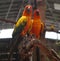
[
  {"x": 36, "y": 13},
  {"x": 27, "y": 11}
]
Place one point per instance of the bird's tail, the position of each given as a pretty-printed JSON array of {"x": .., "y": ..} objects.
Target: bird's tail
[{"x": 15, "y": 42}]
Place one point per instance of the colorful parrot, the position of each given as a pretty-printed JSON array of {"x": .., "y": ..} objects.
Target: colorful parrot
[
  {"x": 24, "y": 22},
  {"x": 21, "y": 27},
  {"x": 37, "y": 26}
]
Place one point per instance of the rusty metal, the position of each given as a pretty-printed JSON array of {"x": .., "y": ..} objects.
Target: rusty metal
[{"x": 8, "y": 21}]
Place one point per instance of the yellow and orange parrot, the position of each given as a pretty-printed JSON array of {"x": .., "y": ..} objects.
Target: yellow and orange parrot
[
  {"x": 21, "y": 27},
  {"x": 24, "y": 22},
  {"x": 37, "y": 26}
]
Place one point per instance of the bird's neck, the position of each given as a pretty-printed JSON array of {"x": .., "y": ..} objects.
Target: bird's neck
[{"x": 37, "y": 18}]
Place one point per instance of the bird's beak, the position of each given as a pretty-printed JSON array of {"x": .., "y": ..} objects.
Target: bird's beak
[{"x": 37, "y": 13}]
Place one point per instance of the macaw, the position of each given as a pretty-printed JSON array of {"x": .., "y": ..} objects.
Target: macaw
[
  {"x": 37, "y": 25},
  {"x": 21, "y": 27}
]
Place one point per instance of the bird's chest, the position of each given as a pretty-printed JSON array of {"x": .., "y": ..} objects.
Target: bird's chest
[{"x": 36, "y": 24}]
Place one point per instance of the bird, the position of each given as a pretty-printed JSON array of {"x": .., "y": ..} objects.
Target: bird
[
  {"x": 21, "y": 28},
  {"x": 37, "y": 25}
]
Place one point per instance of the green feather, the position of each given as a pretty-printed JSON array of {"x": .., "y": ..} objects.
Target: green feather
[{"x": 18, "y": 30}]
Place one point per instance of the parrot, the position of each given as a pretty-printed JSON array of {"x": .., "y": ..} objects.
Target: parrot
[
  {"x": 24, "y": 22},
  {"x": 37, "y": 25},
  {"x": 21, "y": 28}
]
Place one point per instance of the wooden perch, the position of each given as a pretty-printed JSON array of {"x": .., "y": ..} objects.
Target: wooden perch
[{"x": 48, "y": 52}]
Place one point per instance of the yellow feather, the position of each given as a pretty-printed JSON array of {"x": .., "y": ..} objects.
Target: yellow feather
[{"x": 21, "y": 20}]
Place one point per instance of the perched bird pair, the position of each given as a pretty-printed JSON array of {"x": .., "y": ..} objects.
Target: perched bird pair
[{"x": 26, "y": 24}]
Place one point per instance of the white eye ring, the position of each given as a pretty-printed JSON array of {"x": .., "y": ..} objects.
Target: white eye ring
[{"x": 29, "y": 7}]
